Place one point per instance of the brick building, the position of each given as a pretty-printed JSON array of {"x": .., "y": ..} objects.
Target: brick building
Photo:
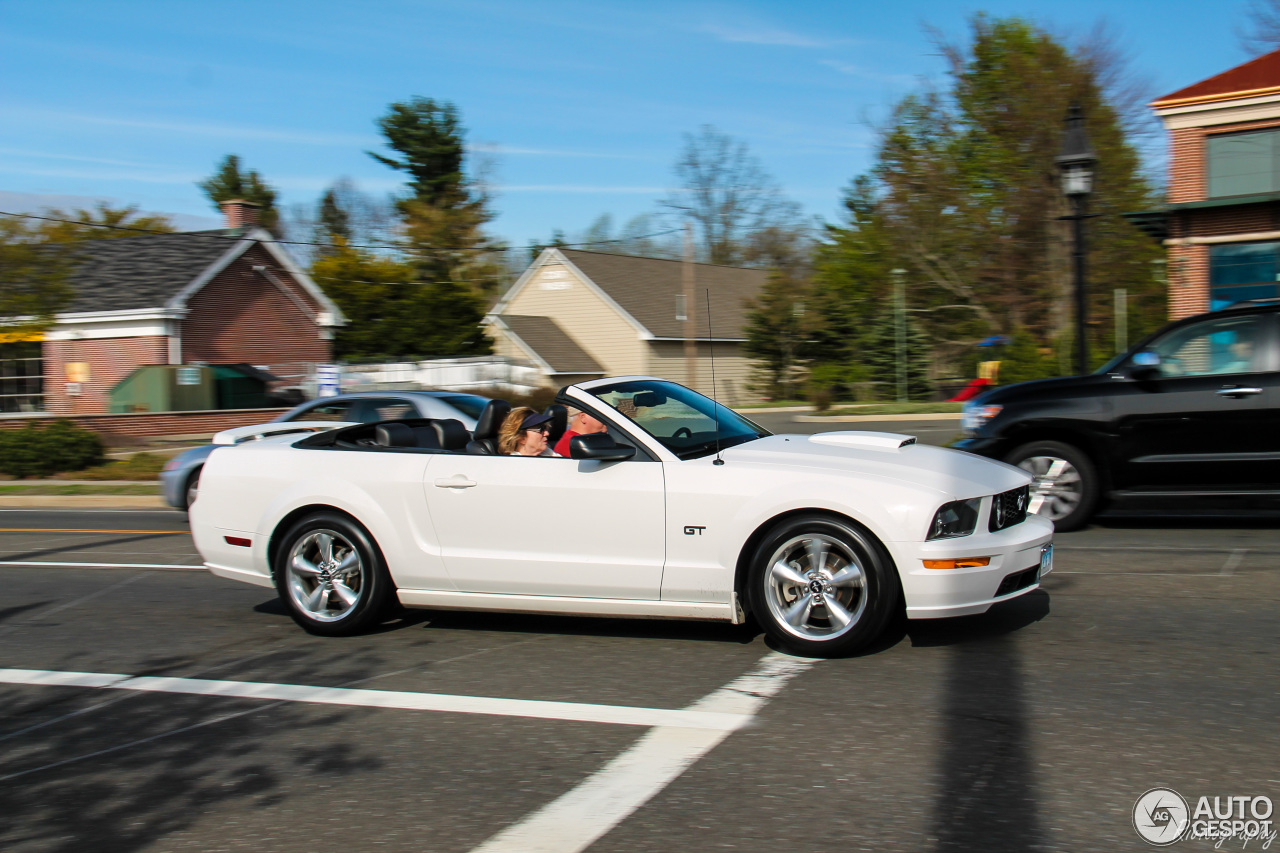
[
  {"x": 1222, "y": 221},
  {"x": 214, "y": 297}
]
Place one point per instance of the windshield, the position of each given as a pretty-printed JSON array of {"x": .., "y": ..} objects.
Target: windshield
[{"x": 683, "y": 421}]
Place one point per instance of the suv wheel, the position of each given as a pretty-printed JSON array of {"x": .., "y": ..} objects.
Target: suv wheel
[{"x": 1065, "y": 489}]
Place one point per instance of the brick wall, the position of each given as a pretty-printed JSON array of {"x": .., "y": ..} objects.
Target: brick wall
[
  {"x": 1186, "y": 165},
  {"x": 1188, "y": 281},
  {"x": 117, "y": 429},
  {"x": 240, "y": 316},
  {"x": 110, "y": 360}
]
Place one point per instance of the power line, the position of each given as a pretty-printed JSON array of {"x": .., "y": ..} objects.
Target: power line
[{"x": 401, "y": 248}]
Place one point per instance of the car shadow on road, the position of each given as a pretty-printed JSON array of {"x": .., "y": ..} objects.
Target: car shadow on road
[
  {"x": 986, "y": 795},
  {"x": 577, "y": 626}
]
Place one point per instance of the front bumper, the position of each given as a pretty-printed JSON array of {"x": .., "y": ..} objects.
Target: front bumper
[{"x": 941, "y": 593}]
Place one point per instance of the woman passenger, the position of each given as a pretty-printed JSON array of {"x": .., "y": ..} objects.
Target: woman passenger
[{"x": 524, "y": 433}]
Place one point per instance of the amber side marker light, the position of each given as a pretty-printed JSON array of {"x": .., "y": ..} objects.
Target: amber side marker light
[{"x": 966, "y": 563}]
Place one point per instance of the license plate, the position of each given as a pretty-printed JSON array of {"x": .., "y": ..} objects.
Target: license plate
[{"x": 1046, "y": 560}]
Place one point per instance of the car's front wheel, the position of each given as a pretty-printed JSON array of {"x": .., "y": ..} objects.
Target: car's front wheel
[
  {"x": 192, "y": 488},
  {"x": 331, "y": 577},
  {"x": 1065, "y": 487},
  {"x": 822, "y": 586}
]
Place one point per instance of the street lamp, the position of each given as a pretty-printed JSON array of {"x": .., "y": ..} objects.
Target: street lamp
[{"x": 1076, "y": 162}]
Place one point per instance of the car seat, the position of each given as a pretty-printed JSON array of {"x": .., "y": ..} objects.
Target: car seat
[
  {"x": 450, "y": 435},
  {"x": 485, "y": 441},
  {"x": 394, "y": 435},
  {"x": 559, "y": 423}
]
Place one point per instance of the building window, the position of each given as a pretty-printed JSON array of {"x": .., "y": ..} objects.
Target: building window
[
  {"x": 1244, "y": 163},
  {"x": 1241, "y": 271},
  {"x": 21, "y": 378}
]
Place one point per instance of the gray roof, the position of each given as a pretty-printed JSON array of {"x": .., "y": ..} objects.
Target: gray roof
[
  {"x": 646, "y": 288},
  {"x": 552, "y": 344},
  {"x": 130, "y": 273}
]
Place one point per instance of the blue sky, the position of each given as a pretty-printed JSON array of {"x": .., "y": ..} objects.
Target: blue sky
[{"x": 579, "y": 107}]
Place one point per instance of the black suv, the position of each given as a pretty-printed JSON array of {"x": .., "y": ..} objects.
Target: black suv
[{"x": 1193, "y": 411}]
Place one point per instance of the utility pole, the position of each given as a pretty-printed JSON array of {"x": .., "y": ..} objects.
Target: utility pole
[
  {"x": 690, "y": 342},
  {"x": 1122, "y": 319},
  {"x": 900, "y": 330}
]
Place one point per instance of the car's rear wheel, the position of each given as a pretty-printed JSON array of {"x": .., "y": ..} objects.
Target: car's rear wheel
[
  {"x": 822, "y": 586},
  {"x": 1065, "y": 489},
  {"x": 331, "y": 577}
]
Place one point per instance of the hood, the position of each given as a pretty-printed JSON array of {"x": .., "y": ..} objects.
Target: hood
[
  {"x": 951, "y": 474},
  {"x": 1036, "y": 387}
]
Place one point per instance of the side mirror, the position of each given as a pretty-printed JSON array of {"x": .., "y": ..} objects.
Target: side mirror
[
  {"x": 599, "y": 446},
  {"x": 1145, "y": 364}
]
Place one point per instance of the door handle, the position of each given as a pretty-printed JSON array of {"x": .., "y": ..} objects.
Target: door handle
[
  {"x": 457, "y": 481},
  {"x": 1235, "y": 391}
]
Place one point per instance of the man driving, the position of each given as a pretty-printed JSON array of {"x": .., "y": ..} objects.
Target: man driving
[{"x": 580, "y": 423}]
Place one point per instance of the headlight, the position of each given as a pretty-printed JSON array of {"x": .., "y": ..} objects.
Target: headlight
[
  {"x": 975, "y": 417},
  {"x": 957, "y": 518}
]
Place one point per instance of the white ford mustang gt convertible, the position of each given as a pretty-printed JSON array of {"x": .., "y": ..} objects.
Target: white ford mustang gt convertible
[{"x": 682, "y": 509}]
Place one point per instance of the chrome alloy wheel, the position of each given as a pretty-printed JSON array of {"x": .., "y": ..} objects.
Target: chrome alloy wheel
[
  {"x": 815, "y": 587},
  {"x": 1057, "y": 488},
  {"x": 325, "y": 575}
]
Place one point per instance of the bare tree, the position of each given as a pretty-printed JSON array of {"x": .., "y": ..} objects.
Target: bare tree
[
  {"x": 727, "y": 194},
  {"x": 1261, "y": 32}
]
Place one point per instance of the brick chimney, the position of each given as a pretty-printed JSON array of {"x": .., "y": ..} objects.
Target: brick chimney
[{"x": 239, "y": 213}]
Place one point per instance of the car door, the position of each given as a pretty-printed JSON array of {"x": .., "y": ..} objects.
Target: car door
[
  {"x": 1203, "y": 423},
  {"x": 549, "y": 526}
]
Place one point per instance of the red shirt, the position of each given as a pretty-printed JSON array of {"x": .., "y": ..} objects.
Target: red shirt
[{"x": 562, "y": 446}]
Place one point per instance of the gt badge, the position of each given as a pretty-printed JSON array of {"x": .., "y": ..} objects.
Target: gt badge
[{"x": 692, "y": 530}]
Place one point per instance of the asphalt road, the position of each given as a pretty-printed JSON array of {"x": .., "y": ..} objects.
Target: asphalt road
[{"x": 1147, "y": 659}]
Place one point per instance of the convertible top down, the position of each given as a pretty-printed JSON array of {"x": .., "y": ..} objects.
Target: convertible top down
[{"x": 682, "y": 509}]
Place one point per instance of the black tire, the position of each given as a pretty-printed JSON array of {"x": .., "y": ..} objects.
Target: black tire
[
  {"x": 343, "y": 594},
  {"x": 191, "y": 488},
  {"x": 1066, "y": 488},
  {"x": 821, "y": 550}
]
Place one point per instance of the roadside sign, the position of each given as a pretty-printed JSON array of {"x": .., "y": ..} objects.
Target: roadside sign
[{"x": 328, "y": 380}]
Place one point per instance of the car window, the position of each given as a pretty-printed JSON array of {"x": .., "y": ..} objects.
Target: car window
[
  {"x": 388, "y": 410},
  {"x": 325, "y": 412},
  {"x": 469, "y": 404},
  {"x": 1221, "y": 345}
]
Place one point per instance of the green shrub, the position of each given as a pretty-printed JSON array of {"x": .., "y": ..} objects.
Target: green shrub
[{"x": 38, "y": 451}]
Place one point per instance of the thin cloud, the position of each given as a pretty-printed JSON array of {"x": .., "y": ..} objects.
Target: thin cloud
[
  {"x": 856, "y": 71},
  {"x": 498, "y": 148},
  {"x": 218, "y": 130},
  {"x": 765, "y": 35},
  {"x": 44, "y": 155},
  {"x": 577, "y": 188},
  {"x": 109, "y": 175}
]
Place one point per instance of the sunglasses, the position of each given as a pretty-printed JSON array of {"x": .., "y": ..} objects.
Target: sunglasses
[{"x": 544, "y": 429}]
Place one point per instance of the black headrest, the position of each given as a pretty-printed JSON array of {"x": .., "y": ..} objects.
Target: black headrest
[
  {"x": 394, "y": 435},
  {"x": 559, "y": 422},
  {"x": 491, "y": 419},
  {"x": 451, "y": 434},
  {"x": 426, "y": 436}
]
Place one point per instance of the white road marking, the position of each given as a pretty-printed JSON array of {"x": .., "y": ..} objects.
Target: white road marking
[
  {"x": 1233, "y": 560},
  {"x": 714, "y": 720},
  {"x": 103, "y": 565},
  {"x": 607, "y": 797}
]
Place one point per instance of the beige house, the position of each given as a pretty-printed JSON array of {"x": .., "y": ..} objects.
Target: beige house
[{"x": 583, "y": 315}]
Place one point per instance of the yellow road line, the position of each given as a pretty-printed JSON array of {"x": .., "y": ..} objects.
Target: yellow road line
[{"x": 78, "y": 530}]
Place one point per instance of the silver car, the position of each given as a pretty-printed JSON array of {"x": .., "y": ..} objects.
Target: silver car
[{"x": 180, "y": 478}]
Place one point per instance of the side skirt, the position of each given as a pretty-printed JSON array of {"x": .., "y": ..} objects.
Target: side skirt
[{"x": 625, "y": 608}]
